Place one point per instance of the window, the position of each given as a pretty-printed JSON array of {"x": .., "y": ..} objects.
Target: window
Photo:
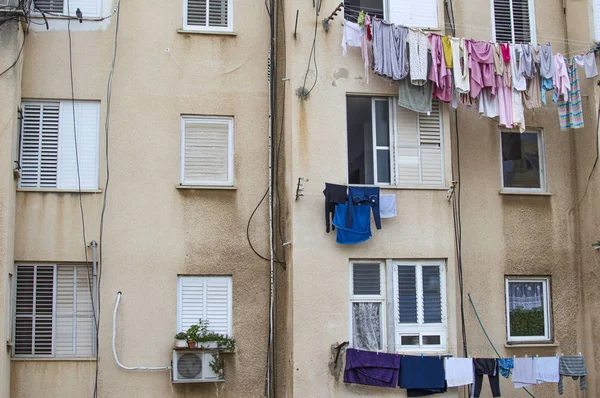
[
  {"x": 523, "y": 161},
  {"x": 390, "y": 145},
  {"x": 208, "y": 15},
  {"x": 514, "y": 21},
  {"x": 206, "y": 150},
  {"x": 417, "y": 13},
  {"x": 53, "y": 311},
  {"x": 89, "y": 8},
  {"x": 596, "y": 12},
  {"x": 418, "y": 304},
  {"x": 207, "y": 298},
  {"x": 47, "y": 152},
  {"x": 528, "y": 309}
]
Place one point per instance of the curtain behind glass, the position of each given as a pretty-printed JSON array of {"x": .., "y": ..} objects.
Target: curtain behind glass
[
  {"x": 366, "y": 332},
  {"x": 525, "y": 295}
]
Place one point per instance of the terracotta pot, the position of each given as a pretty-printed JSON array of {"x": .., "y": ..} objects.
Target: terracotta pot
[{"x": 191, "y": 344}]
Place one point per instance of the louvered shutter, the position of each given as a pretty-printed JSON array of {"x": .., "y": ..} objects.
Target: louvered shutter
[
  {"x": 407, "y": 294},
  {"x": 53, "y": 6},
  {"x": 407, "y": 159},
  {"x": 366, "y": 279},
  {"x": 417, "y": 13},
  {"x": 207, "y": 298},
  {"x": 39, "y": 144},
  {"x": 432, "y": 295},
  {"x": 400, "y": 12},
  {"x": 34, "y": 310},
  {"x": 207, "y": 152},
  {"x": 512, "y": 21},
  {"x": 89, "y": 8},
  {"x": 87, "y": 119},
  {"x": 596, "y": 10},
  {"x": 84, "y": 313},
  {"x": 430, "y": 146},
  {"x": 208, "y": 14},
  {"x": 65, "y": 307}
]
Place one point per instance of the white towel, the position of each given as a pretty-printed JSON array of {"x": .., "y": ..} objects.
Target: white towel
[
  {"x": 547, "y": 369},
  {"x": 387, "y": 205},
  {"x": 524, "y": 373},
  {"x": 459, "y": 371}
]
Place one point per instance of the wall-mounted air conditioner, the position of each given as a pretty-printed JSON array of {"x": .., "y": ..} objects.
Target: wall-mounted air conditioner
[
  {"x": 193, "y": 366},
  {"x": 9, "y": 3}
]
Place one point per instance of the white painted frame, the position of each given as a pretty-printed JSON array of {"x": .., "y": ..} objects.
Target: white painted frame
[
  {"x": 375, "y": 148},
  {"x": 360, "y": 298},
  {"x": 532, "y": 24},
  {"x": 68, "y": 7},
  {"x": 204, "y": 278},
  {"x": 542, "y": 156},
  {"x": 547, "y": 337},
  {"x": 442, "y": 160},
  {"x": 216, "y": 29},
  {"x": 230, "y": 149},
  {"x": 421, "y": 329}
]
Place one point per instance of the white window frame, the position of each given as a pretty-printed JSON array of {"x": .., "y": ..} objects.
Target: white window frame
[
  {"x": 215, "y": 29},
  {"x": 363, "y": 298},
  {"x": 13, "y": 313},
  {"x": 180, "y": 279},
  {"x": 10, "y": 298},
  {"x": 230, "y": 143},
  {"x": 391, "y": 121},
  {"x": 542, "y": 156},
  {"x": 72, "y": 7},
  {"x": 547, "y": 337},
  {"x": 532, "y": 26},
  {"x": 421, "y": 329}
]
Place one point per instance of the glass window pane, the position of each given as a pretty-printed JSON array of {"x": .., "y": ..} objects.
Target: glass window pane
[
  {"x": 526, "y": 308},
  {"x": 431, "y": 340},
  {"x": 520, "y": 160},
  {"x": 366, "y": 278},
  {"x": 407, "y": 294},
  {"x": 432, "y": 296},
  {"x": 366, "y": 327},
  {"x": 382, "y": 123},
  {"x": 353, "y": 7},
  {"x": 360, "y": 140},
  {"x": 409, "y": 340},
  {"x": 383, "y": 166}
]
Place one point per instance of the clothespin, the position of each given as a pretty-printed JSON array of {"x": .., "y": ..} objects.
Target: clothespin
[
  {"x": 532, "y": 356},
  {"x": 439, "y": 356}
]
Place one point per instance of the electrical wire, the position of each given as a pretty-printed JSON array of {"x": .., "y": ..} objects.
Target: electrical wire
[
  {"x": 18, "y": 55},
  {"x": 312, "y": 57}
]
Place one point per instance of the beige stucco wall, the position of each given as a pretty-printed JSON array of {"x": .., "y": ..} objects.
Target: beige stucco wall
[
  {"x": 11, "y": 40},
  {"x": 153, "y": 231}
]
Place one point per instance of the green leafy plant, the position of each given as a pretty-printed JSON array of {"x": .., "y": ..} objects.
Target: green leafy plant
[
  {"x": 527, "y": 322},
  {"x": 200, "y": 334},
  {"x": 181, "y": 336},
  {"x": 192, "y": 333},
  {"x": 217, "y": 364}
]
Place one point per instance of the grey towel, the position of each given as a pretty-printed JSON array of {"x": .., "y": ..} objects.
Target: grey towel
[
  {"x": 526, "y": 65},
  {"x": 546, "y": 64},
  {"x": 572, "y": 366},
  {"x": 389, "y": 50}
]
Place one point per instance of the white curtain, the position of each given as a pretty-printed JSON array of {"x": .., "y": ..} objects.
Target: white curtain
[
  {"x": 367, "y": 326},
  {"x": 525, "y": 295}
]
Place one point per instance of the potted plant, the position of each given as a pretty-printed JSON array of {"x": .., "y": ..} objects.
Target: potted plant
[
  {"x": 207, "y": 339},
  {"x": 181, "y": 340},
  {"x": 192, "y": 335}
]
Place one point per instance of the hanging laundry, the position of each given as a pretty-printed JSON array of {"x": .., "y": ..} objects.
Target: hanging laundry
[
  {"x": 334, "y": 194},
  {"x": 505, "y": 365},
  {"x": 365, "y": 45},
  {"x": 570, "y": 112},
  {"x": 481, "y": 66},
  {"x": 518, "y": 80},
  {"x": 498, "y": 60},
  {"x": 547, "y": 369},
  {"x": 361, "y": 227},
  {"x": 447, "y": 51},
  {"x": 387, "y": 205},
  {"x": 505, "y": 101},
  {"x": 488, "y": 103},
  {"x": 439, "y": 74},
  {"x": 533, "y": 94},
  {"x": 561, "y": 81},
  {"x": 415, "y": 98},
  {"x": 524, "y": 373},
  {"x": 546, "y": 62},
  {"x": 352, "y": 36},
  {"x": 588, "y": 61},
  {"x": 371, "y": 368},
  {"x": 517, "y": 110},
  {"x": 459, "y": 371},
  {"x": 422, "y": 375},
  {"x": 460, "y": 60},
  {"x": 389, "y": 50},
  {"x": 487, "y": 367},
  {"x": 361, "y": 18},
  {"x": 536, "y": 55},
  {"x": 363, "y": 197},
  {"x": 573, "y": 366},
  {"x": 547, "y": 85},
  {"x": 418, "y": 47},
  {"x": 526, "y": 64}
]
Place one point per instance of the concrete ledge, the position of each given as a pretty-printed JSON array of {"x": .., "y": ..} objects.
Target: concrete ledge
[
  {"x": 415, "y": 188},
  {"x": 207, "y": 187},
  {"x": 54, "y": 190},
  {"x": 34, "y": 359},
  {"x": 203, "y": 32},
  {"x": 533, "y": 193},
  {"x": 532, "y": 345}
]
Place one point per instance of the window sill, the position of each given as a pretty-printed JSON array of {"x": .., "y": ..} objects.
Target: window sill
[
  {"x": 525, "y": 192},
  {"x": 402, "y": 188},
  {"x": 206, "y": 32},
  {"x": 207, "y": 187},
  {"x": 34, "y": 359},
  {"x": 54, "y": 190},
  {"x": 530, "y": 345}
]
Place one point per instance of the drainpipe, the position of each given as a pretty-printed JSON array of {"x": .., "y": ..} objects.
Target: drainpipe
[{"x": 94, "y": 246}]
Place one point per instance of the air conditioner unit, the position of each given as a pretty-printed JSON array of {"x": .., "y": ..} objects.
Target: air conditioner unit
[
  {"x": 9, "y": 3},
  {"x": 193, "y": 366}
]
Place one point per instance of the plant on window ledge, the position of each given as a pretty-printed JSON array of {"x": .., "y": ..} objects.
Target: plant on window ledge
[
  {"x": 181, "y": 339},
  {"x": 200, "y": 334}
]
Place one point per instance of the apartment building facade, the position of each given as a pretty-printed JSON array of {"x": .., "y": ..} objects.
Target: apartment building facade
[{"x": 186, "y": 142}]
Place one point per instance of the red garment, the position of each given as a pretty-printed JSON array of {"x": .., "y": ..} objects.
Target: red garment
[
  {"x": 505, "y": 52},
  {"x": 369, "y": 33},
  {"x": 439, "y": 74}
]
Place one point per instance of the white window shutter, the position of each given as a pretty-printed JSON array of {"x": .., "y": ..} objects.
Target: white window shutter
[
  {"x": 596, "y": 10},
  {"x": 65, "y": 308},
  {"x": 430, "y": 143},
  {"x": 218, "y": 305},
  {"x": 208, "y": 13},
  {"x": 425, "y": 13},
  {"x": 191, "y": 301},
  {"x": 53, "y": 6},
  {"x": 84, "y": 313},
  {"x": 39, "y": 144},
  {"x": 207, "y": 151},
  {"x": 87, "y": 119},
  {"x": 400, "y": 12},
  {"x": 89, "y": 8},
  {"x": 512, "y": 21},
  {"x": 407, "y": 159},
  {"x": 207, "y": 298}
]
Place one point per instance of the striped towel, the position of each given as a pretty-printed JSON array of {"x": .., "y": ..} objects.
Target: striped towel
[
  {"x": 570, "y": 112},
  {"x": 572, "y": 366}
]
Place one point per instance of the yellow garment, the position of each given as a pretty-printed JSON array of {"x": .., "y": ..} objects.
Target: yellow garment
[{"x": 447, "y": 51}]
